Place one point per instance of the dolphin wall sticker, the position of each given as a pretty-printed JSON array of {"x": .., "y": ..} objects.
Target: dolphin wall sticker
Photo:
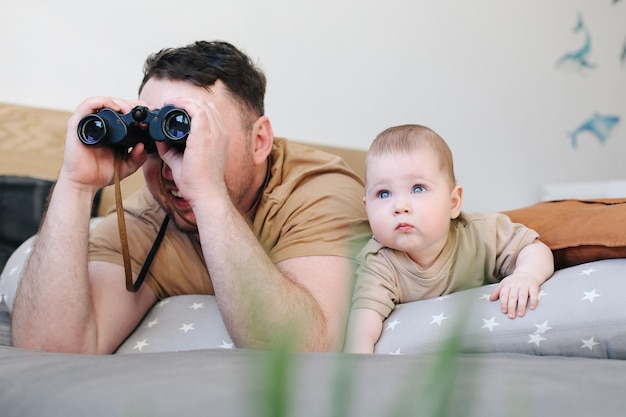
[{"x": 599, "y": 125}]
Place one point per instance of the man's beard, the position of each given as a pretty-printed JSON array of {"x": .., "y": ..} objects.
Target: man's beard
[
  {"x": 237, "y": 191},
  {"x": 183, "y": 226}
]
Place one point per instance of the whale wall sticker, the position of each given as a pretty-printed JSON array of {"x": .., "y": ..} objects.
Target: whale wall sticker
[
  {"x": 578, "y": 59},
  {"x": 598, "y": 125}
]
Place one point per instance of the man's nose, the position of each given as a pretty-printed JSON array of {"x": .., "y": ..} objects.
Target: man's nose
[{"x": 166, "y": 171}]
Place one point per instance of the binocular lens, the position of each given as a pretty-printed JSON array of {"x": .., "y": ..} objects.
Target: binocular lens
[
  {"x": 92, "y": 130},
  {"x": 176, "y": 125}
]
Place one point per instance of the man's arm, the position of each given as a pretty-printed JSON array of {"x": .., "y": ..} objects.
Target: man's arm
[
  {"x": 63, "y": 303},
  {"x": 305, "y": 300}
]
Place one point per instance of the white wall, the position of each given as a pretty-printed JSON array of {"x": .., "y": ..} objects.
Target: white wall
[{"x": 482, "y": 73}]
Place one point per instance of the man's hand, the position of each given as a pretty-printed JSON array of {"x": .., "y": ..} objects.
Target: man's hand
[
  {"x": 91, "y": 166},
  {"x": 199, "y": 170}
]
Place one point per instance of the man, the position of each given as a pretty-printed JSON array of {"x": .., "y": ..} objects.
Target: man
[{"x": 271, "y": 228}]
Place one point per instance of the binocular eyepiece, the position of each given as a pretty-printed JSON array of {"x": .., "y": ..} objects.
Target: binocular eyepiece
[{"x": 109, "y": 128}]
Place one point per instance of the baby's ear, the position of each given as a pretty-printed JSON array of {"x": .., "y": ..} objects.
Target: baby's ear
[{"x": 456, "y": 201}]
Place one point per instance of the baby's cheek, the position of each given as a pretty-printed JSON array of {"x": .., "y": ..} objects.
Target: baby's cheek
[{"x": 381, "y": 232}]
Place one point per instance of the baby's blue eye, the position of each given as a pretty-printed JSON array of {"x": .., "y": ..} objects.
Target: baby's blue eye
[
  {"x": 383, "y": 194},
  {"x": 418, "y": 189}
]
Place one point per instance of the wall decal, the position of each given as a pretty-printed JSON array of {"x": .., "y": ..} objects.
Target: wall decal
[
  {"x": 578, "y": 59},
  {"x": 599, "y": 125}
]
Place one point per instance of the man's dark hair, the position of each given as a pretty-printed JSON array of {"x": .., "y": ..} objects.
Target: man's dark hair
[{"x": 203, "y": 63}]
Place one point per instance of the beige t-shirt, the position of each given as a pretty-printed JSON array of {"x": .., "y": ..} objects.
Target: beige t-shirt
[
  {"x": 312, "y": 206},
  {"x": 482, "y": 248}
]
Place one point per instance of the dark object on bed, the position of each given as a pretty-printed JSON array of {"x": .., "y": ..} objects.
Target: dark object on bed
[{"x": 22, "y": 202}]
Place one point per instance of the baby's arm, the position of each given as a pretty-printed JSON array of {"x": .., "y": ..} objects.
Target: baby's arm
[
  {"x": 364, "y": 329},
  {"x": 535, "y": 264}
]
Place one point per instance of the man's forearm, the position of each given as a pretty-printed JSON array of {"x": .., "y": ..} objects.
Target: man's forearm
[{"x": 260, "y": 304}]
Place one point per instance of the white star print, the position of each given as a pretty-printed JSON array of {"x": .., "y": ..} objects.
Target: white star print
[
  {"x": 141, "y": 344},
  {"x": 28, "y": 249},
  {"x": 589, "y": 343},
  {"x": 163, "y": 302},
  {"x": 392, "y": 325},
  {"x": 587, "y": 271},
  {"x": 541, "y": 294},
  {"x": 542, "y": 328},
  {"x": 490, "y": 324},
  {"x": 152, "y": 323},
  {"x": 536, "y": 338},
  {"x": 13, "y": 270},
  {"x": 226, "y": 345},
  {"x": 397, "y": 352},
  {"x": 590, "y": 295},
  {"x": 443, "y": 297},
  {"x": 196, "y": 306},
  {"x": 187, "y": 327},
  {"x": 438, "y": 319},
  {"x": 484, "y": 297}
]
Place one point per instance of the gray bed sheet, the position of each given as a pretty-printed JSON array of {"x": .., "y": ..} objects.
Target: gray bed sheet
[{"x": 237, "y": 383}]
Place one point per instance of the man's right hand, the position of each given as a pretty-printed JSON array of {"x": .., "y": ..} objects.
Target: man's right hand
[{"x": 91, "y": 166}]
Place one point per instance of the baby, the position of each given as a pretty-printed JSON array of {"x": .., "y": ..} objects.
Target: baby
[{"x": 424, "y": 246}]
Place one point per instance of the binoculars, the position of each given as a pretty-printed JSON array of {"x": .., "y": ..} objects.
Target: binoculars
[{"x": 109, "y": 128}]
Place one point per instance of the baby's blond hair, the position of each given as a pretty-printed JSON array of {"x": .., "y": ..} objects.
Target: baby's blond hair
[{"x": 409, "y": 138}]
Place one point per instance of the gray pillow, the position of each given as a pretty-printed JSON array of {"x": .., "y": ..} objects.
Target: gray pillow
[
  {"x": 580, "y": 313},
  {"x": 12, "y": 272},
  {"x": 183, "y": 322}
]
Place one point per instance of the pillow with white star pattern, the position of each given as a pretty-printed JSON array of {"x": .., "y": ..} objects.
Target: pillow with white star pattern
[
  {"x": 580, "y": 313},
  {"x": 182, "y": 322}
]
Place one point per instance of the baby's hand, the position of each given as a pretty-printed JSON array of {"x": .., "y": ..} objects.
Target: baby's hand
[{"x": 516, "y": 292}]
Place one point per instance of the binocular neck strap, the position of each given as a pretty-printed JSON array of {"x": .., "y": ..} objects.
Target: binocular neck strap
[{"x": 121, "y": 223}]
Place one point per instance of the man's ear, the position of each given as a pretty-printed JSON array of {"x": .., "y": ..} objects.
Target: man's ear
[
  {"x": 263, "y": 137},
  {"x": 456, "y": 200}
]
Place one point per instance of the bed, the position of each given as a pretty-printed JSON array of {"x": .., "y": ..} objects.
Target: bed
[{"x": 452, "y": 355}]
